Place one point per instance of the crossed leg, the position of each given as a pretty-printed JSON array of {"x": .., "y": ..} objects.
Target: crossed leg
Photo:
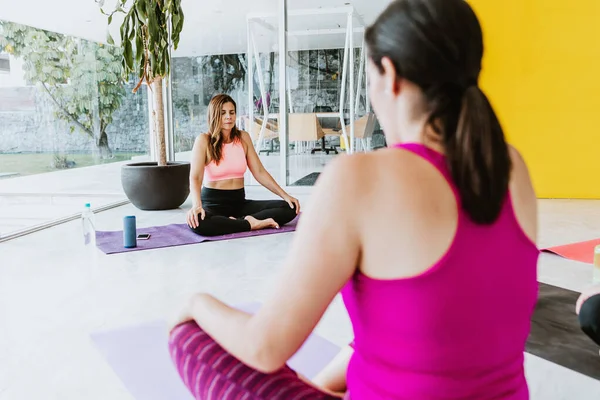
[{"x": 210, "y": 373}]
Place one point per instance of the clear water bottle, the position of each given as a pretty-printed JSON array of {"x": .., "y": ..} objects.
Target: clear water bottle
[{"x": 88, "y": 222}]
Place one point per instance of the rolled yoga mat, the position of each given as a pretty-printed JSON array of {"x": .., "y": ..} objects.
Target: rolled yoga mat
[
  {"x": 556, "y": 335},
  {"x": 581, "y": 251},
  {"x": 139, "y": 356},
  {"x": 111, "y": 242}
]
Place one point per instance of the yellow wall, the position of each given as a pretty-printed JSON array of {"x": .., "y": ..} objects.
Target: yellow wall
[{"x": 541, "y": 72}]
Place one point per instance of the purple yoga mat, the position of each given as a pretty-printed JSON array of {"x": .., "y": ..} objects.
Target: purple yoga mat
[
  {"x": 139, "y": 356},
  {"x": 111, "y": 242}
]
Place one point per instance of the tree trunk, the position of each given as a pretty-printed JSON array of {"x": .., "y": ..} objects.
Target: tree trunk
[
  {"x": 158, "y": 116},
  {"x": 103, "y": 147}
]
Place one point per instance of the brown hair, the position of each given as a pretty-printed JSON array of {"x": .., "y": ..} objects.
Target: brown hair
[
  {"x": 215, "y": 141},
  {"x": 438, "y": 45}
]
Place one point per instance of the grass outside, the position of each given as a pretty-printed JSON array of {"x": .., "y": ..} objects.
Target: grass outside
[{"x": 38, "y": 163}]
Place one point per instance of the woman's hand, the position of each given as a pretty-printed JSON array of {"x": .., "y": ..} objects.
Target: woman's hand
[
  {"x": 293, "y": 202},
  {"x": 192, "y": 216}
]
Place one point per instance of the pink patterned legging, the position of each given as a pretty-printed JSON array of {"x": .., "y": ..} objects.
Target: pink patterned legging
[{"x": 210, "y": 373}]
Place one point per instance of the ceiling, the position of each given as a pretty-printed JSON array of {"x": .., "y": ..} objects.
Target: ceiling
[{"x": 215, "y": 27}]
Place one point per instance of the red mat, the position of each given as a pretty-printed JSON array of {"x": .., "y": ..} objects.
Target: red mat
[{"x": 582, "y": 251}]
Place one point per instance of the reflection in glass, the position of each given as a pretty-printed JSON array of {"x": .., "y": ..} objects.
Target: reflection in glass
[
  {"x": 63, "y": 105},
  {"x": 195, "y": 81}
]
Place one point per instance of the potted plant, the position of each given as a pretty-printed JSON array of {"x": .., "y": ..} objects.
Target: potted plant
[{"x": 148, "y": 30}]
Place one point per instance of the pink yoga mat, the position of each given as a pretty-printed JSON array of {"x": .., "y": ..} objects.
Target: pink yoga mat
[
  {"x": 111, "y": 242},
  {"x": 582, "y": 251},
  {"x": 140, "y": 358}
]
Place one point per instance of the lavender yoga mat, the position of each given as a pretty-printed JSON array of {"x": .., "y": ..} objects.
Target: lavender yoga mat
[
  {"x": 139, "y": 356},
  {"x": 111, "y": 242}
]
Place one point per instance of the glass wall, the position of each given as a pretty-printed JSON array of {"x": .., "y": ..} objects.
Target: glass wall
[
  {"x": 327, "y": 101},
  {"x": 195, "y": 81},
  {"x": 67, "y": 122},
  {"x": 66, "y": 113},
  {"x": 329, "y": 110},
  {"x": 240, "y": 62}
]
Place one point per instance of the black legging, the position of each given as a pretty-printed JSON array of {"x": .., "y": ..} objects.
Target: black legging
[
  {"x": 589, "y": 318},
  {"x": 219, "y": 205}
]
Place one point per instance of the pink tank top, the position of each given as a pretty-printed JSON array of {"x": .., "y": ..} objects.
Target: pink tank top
[
  {"x": 232, "y": 165},
  {"x": 458, "y": 330}
]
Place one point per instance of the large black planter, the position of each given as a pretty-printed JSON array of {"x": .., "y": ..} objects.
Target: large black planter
[{"x": 150, "y": 187}]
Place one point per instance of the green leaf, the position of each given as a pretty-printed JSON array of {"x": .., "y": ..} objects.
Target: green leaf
[
  {"x": 109, "y": 39},
  {"x": 132, "y": 33},
  {"x": 139, "y": 46},
  {"x": 110, "y": 17},
  {"x": 153, "y": 64},
  {"x": 123, "y": 29},
  {"x": 142, "y": 63},
  {"x": 165, "y": 63},
  {"x": 128, "y": 54},
  {"x": 152, "y": 26},
  {"x": 140, "y": 7}
]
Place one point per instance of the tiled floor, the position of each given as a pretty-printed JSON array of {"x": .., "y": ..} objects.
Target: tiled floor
[{"x": 54, "y": 294}]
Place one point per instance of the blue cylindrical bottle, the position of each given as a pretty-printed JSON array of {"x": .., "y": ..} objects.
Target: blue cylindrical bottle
[{"x": 129, "y": 232}]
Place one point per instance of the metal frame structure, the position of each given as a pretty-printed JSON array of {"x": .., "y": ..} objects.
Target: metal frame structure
[
  {"x": 283, "y": 85},
  {"x": 347, "y": 82}
]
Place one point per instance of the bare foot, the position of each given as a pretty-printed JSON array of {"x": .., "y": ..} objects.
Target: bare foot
[{"x": 256, "y": 224}]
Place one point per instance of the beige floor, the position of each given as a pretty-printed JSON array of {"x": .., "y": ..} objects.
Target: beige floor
[{"x": 54, "y": 294}]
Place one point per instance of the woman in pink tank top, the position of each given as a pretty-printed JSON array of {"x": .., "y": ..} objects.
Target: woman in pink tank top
[
  {"x": 220, "y": 159},
  {"x": 431, "y": 244}
]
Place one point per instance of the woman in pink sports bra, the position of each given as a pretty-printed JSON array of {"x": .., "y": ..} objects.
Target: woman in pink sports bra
[
  {"x": 430, "y": 242},
  {"x": 220, "y": 159}
]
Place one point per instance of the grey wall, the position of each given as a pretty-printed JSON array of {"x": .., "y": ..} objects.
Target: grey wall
[{"x": 32, "y": 127}]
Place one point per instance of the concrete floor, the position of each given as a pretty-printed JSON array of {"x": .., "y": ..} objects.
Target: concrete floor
[{"x": 54, "y": 294}]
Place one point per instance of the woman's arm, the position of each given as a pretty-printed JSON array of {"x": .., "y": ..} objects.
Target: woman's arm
[
  {"x": 258, "y": 170},
  {"x": 309, "y": 282},
  {"x": 198, "y": 163}
]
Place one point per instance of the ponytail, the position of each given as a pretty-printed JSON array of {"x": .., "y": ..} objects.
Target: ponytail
[{"x": 478, "y": 157}]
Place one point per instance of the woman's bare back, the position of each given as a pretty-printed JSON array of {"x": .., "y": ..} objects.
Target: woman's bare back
[{"x": 408, "y": 208}]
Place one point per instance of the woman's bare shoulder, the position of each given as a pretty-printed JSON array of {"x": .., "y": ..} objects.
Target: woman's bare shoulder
[
  {"x": 201, "y": 142},
  {"x": 245, "y": 135},
  {"x": 523, "y": 195},
  {"x": 202, "y": 138}
]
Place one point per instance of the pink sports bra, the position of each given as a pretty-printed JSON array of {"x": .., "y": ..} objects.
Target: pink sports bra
[{"x": 232, "y": 165}]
